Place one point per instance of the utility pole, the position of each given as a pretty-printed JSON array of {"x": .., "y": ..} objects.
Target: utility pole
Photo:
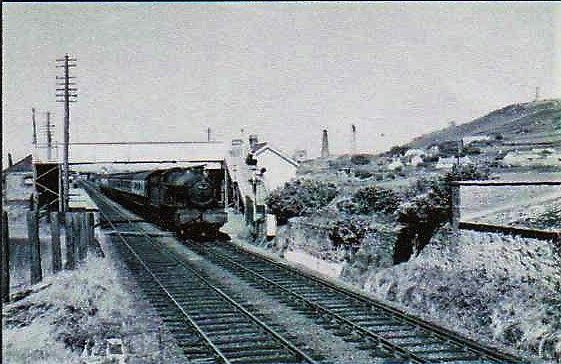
[
  {"x": 49, "y": 137},
  {"x": 67, "y": 96},
  {"x": 353, "y": 139},
  {"x": 537, "y": 93},
  {"x": 34, "y": 127}
]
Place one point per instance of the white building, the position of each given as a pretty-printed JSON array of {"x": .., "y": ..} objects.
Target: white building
[
  {"x": 17, "y": 180},
  {"x": 280, "y": 168}
]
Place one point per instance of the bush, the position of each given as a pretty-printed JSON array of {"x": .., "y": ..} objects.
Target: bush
[
  {"x": 300, "y": 197},
  {"x": 375, "y": 199},
  {"x": 428, "y": 208},
  {"x": 363, "y": 174},
  {"x": 360, "y": 159},
  {"x": 348, "y": 232}
]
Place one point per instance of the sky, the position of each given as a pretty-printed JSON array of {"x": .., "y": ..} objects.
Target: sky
[{"x": 283, "y": 71}]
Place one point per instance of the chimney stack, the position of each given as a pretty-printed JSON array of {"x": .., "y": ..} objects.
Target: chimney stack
[
  {"x": 324, "y": 145},
  {"x": 353, "y": 139},
  {"x": 252, "y": 141}
]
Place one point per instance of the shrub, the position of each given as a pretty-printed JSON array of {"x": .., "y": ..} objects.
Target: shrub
[
  {"x": 300, "y": 197},
  {"x": 428, "y": 208},
  {"x": 360, "y": 159},
  {"x": 348, "y": 232},
  {"x": 375, "y": 199},
  {"x": 363, "y": 174}
]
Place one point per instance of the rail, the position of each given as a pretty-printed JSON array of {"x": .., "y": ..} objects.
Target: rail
[
  {"x": 175, "y": 268},
  {"x": 357, "y": 313}
]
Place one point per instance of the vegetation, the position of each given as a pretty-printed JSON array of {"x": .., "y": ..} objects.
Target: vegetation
[
  {"x": 360, "y": 159},
  {"x": 427, "y": 208},
  {"x": 372, "y": 199},
  {"x": 299, "y": 198},
  {"x": 348, "y": 232}
]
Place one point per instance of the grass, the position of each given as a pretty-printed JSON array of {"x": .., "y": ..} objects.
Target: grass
[{"x": 53, "y": 324}]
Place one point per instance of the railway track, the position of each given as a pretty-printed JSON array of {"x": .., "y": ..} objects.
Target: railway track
[
  {"x": 385, "y": 331},
  {"x": 209, "y": 326}
]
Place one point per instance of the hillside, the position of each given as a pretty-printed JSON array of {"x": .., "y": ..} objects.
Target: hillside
[{"x": 524, "y": 126}]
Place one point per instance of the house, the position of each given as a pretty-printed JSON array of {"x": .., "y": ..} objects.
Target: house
[
  {"x": 395, "y": 164},
  {"x": 414, "y": 152},
  {"x": 448, "y": 162},
  {"x": 416, "y": 160},
  {"x": 279, "y": 166},
  {"x": 17, "y": 180},
  {"x": 475, "y": 138}
]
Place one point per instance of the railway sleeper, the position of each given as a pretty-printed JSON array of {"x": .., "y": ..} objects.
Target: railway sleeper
[
  {"x": 443, "y": 351},
  {"x": 225, "y": 327},
  {"x": 209, "y": 306},
  {"x": 423, "y": 344},
  {"x": 201, "y": 350},
  {"x": 210, "y": 321},
  {"x": 254, "y": 352},
  {"x": 372, "y": 322},
  {"x": 456, "y": 358},
  {"x": 224, "y": 332},
  {"x": 196, "y": 302},
  {"x": 249, "y": 345},
  {"x": 233, "y": 338},
  {"x": 277, "y": 359},
  {"x": 220, "y": 315},
  {"x": 389, "y": 327},
  {"x": 187, "y": 338}
]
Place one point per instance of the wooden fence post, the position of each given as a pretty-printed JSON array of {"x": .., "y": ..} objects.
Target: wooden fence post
[
  {"x": 455, "y": 202},
  {"x": 76, "y": 235},
  {"x": 5, "y": 258},
  {"x": 95, "y": 245},
  {"x": 35, "y": 246},
  {"x": 83, "y": 251},
  {"x": 55, "y": 242},
  {"x": 69, "y": 239}
]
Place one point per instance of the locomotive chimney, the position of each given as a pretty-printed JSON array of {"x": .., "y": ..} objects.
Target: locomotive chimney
[{"x": 324, "y": 145}]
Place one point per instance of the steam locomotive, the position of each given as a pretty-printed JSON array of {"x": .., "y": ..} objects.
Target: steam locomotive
[{"x": 189, "y": 200}]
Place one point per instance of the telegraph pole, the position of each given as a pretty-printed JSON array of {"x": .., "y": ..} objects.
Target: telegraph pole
[
  {"x": 49, "y": 137},
  {"x": 34, "y": 127},
  {"x": 67, "y": 96}
]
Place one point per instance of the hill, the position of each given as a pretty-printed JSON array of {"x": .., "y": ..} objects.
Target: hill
[{"x": 523, "y": 126}]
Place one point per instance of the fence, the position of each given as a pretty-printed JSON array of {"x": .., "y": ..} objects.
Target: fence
[
  {"x": 518, "y": 197},
  {"x": 79, "y": 237}
]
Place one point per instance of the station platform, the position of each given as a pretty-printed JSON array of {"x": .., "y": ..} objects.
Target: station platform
[{"x": 79, "y": 200}]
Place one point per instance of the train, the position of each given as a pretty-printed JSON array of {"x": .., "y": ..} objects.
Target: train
[{"x": 189, "y": 200}]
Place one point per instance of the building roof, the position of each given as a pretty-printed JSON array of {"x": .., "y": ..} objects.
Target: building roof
[
  {"x": 23, "y": 165},
  {"x": 265, "y": 146}
]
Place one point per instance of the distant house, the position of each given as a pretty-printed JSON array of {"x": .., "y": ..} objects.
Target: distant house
[
  {"x": 395, "y": 164},
  {"x": 535, "y": 157},
  {"x": 413, "y": 152},
  {"x": 280, "y": 167},
  {"x": 246, "y": 160},
  {"x": 448, "y": 163},
  {"x": 475, "y": 138},
  {"x": 300, "y": 155},
  {"x": 416, "y": 160},
  {"x": 17, "y": 180}
]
